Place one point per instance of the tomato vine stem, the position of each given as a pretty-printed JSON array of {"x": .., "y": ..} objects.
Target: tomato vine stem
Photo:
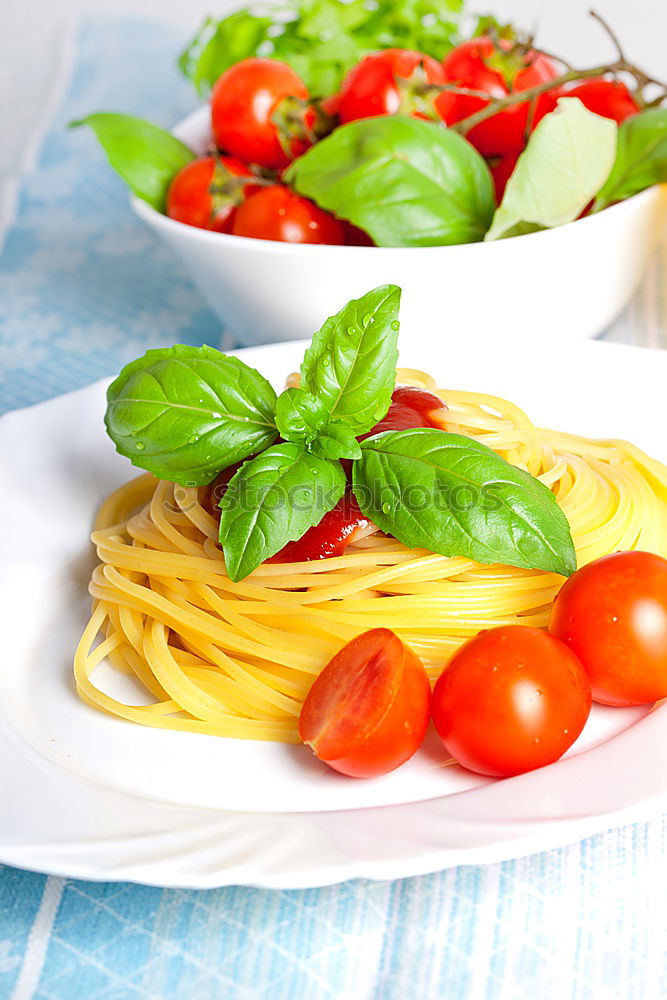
[{"x": 571, "y": 75}]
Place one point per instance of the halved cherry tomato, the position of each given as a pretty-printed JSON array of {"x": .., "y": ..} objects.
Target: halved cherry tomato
[
  {"x": 260, "y": 114},
  {"x": 389, "y": 82},
  {"x": 276, "y": 213},
  {"x": 330, "y": 537},
  {"x": 612, "y": 614},
  {"x": 608, "y": 98},
  {"x": 368, "y": 710},
  {"x": 510, "y": 700},
  {"x": 206, "y": 192},
  {"x": 479, "y": 65}
]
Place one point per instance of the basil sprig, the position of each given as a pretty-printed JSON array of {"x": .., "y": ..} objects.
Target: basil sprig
[
  {"x": 303, "y": 417},
  {"x": 455, "y": 496},
  {"x": 188, "y": 413}
]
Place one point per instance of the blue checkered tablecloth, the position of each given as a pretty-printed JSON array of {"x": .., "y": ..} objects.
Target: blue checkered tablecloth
[{"x": 83, "y": 288}]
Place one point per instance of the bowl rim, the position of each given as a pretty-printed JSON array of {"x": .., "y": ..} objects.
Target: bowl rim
[{"x": 182, "y": 130}]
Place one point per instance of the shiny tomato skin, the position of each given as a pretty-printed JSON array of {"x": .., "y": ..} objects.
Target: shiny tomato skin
[
  {"x": 607, "y": 98},
  {"x": 276, "y": 213},
  {"x": 373, "y": 87},
  {"x": 244, "y": 103},
  {"x": 189, "y": 199},
  {"x": 612, "y": 614},
  {"x": 368, "y": 710},
  {"x": 510, "y": 700},
  {"x": 467, "y": 66}
]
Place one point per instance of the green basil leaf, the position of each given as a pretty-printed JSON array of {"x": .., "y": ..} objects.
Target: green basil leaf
[
  {"x": 336, "y": 441},
  {"x": 273, "y": 499},
  {"x": 144, "y": 155},
  {"x": 406, "y": 182},
  {"x": 453, "y": 495},
  {"x": 185, "y": 413},
  {"x": 641, "y": 158},
  {"x": 299, "y": 415},
  {"x": 320, "y": 39},
  {"x": 564, "y": 165},
  {"x": 351, "y": 363}
]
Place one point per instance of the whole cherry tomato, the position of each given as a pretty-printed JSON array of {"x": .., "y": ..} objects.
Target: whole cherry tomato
[
  {"x": 480, "y": 65},
  {"x": 260, "y": 113},
  {"x": 206, "y": 192},
  {"x": 510, "y": 700},
  {"x": 608, "y": 98},
  {"x": 368, "y": 710},
  {"x": 389, "y": 82},
  {"x": 612, "y": 614},
  {"x": 276, "y": 213}
]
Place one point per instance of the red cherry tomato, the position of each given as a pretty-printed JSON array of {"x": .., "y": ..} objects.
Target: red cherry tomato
[
  {"x": 205, "y": 193},
  {"x": 501, "y": 171},
  {"x": 368, "y": 710},
  {"x": 612, "y": 614},
  {"x": 276, "y": 213},
  {"x": 330, "y": 537},
  {"x": 388, "y": 82},
  {"x": 259, "y": 113},
  {"x": 478, "y": 65},
  {"x": 608, "y": 98},
  {"x": 510, "y": 700}
]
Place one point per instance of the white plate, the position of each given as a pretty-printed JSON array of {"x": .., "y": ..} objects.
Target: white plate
[{"x": 91, "y": 796}]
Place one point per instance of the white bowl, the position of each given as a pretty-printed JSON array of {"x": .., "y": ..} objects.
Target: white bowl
[{"x": 560, "y": 284}]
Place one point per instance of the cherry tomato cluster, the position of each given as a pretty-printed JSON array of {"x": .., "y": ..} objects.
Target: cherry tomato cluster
[
  {"x": 263, "y": 118},
  {"x": 513, "y": 698}
]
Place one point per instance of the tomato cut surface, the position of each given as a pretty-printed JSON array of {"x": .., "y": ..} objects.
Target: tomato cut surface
[
  {"x": 511, "y": 699},
  {"x": 368, "y": 710},
  {"x": 612, "y": 614}
]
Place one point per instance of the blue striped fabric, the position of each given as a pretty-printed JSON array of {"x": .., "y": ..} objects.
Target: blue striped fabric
[
  {"x": 586, "y": 922},
  {"x": 83, "y": 287}
]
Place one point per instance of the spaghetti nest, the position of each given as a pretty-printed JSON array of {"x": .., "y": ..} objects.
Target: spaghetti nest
[{"x": 237, "y": 659}]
